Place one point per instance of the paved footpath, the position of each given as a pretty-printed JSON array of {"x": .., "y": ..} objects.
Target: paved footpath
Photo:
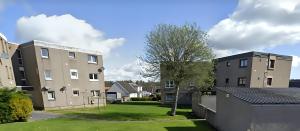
[{"x": 42, "y": 115}]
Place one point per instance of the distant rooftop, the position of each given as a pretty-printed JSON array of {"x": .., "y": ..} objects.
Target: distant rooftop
[
  {"x": 57, "y": 46},
  {"x": 265, "y": 95},
  {"x": 295, "y": 83},
  {"x": 253, "y": 54}
]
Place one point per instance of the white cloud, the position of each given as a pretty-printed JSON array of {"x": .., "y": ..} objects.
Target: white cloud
[
  {"x": 296, "y": 61},
  {"x": 65, "y": 30},
  {"x": 130, "y": 71},
  {"x": 258, "y": 24}
]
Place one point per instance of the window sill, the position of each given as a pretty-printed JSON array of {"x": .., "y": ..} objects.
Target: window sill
[
  {"x": 51, "y": 99},
  {"x": 74, "y": 78},
  {"x": 44, "y": 57},
  {"x": 48, "y": 79},
  {"x": 93, "y": 80},
  {"x": 89, "y": 62}
]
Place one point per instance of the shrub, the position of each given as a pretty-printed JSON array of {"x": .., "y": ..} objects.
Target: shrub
[
  {"x": 142, "y": 99},
  {"x": 14, "y": 106},
  {"x": 21, "y": 106}
]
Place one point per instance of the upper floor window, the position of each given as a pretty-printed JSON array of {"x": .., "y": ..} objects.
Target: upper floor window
[
  {"x": 241, "y": 81},
  {"x": 95, "y": 93},
  {"x": 169, "y": 84},
  {"x": 92, "y": 59},
  {"x": 269, "y": 81},
  {"x": 51, "y": 95},
  {"x": 45, "y": 53},
  {"x": 271, "y": 64},
  {"x": 228, "y": 64},
  {"x": 48, "y": 75},
  {"x": 19, "y": 54},
  {"x": 243, "y": 62},
  {"x": 74, "y": 73},
  {"x": 227, "y": 80},
  {"x": 72, "y": 55},
  {"x": 93, "y": 77}
]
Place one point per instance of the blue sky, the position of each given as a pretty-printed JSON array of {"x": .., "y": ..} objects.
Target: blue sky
[{"x": 132, "y": 20}]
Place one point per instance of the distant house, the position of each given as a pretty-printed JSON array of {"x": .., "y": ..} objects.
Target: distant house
[
  {"x": 295, "y": 83},
  {"x": 125, "y": 89},
  {"x": 108, "y": 85},
  {"x": 257, "y": 109}
]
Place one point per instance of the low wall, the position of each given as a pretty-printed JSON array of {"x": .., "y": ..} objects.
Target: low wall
[{"x": 201, "y": 110}]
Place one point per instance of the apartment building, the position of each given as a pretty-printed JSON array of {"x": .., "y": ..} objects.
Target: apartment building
[
  {"x": 59, "y": 76},
  {"x": 186, "y": 89},
  {"x": 6, "y": 71},
  {"x": 253, "y": 69}
]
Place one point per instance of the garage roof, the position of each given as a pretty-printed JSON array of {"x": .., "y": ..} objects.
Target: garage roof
[{"x": 265, "y": 95}]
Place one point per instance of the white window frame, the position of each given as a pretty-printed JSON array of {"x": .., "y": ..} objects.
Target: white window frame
[
  {"x": 72, "y": 57},
  {"x": 42, "y": 53},
  {"x": 242, "y": 81},
  {"x": 267, "y": 82},
  {"x": 45, "y": 75},
  {"x": 72, "y": 76},
  {"x": 76, "y": 94},
  {"x": 51, "y": 95},
  {"x": 91, "y": 60},
  {"x": 169, "y": 84},
  {"x": 94, "y": 77},
  {"x": 244, "y": 63},
  {"x": 94, "y": 93}
]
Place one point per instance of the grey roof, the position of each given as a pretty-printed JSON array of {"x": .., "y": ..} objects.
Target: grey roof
[
  {"x": 253, "y": 54},
  {"x": 127, "y": 86},
  {"x": 265, "y": 95},
  {"x": 295, "y": 83}
]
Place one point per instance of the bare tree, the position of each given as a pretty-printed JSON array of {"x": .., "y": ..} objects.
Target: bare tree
[{"x": 181, "y": 51}]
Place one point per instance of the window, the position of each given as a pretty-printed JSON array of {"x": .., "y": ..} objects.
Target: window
[
  {"x": 93, "y": 77},
  {"x": 74, "y": 74},
  {"x": 269, "y": 81},
  {"x": 48, "y": 75},
  {"x": 75, "y": 92},
  {"x": 44, "y": 53},
  {"x": 191, "y": 84},
  {"x": 19, "y": 54},
  {"x": 241, "y": 81},
  {"x": 22, "y": 74},
  {"x": 72, "y": 55},
  {"x": 169, "y": 97},
  {"x": 243, "y": 63},
  {"x": 95, "y": 93},
  {"x": 51, "y": 95},
  {"x": 92, "y": 59},
  {"x": 227, "y": 80},
  {"x": 271, "y": 64},
  {"x": 169, "y": 84},
  {"x": 228, "y": 64}
]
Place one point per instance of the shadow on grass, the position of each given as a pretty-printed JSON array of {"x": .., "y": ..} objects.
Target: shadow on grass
[
  {"x": 188, "y": 115},
  {"x": 199, "y": 126},
  {"x": 114, "y": 116}
]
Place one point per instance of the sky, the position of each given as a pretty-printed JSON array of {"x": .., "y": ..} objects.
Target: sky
[{"x": 117, "y": 28}]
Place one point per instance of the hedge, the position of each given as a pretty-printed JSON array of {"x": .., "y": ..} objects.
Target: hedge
[{"x": 14, "y": 106}]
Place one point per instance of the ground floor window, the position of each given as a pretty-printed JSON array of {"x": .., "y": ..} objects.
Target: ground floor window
[
  {"x": 269, "y": 81},
  {"x": 75, "y": 92},
  {"x": 169, "y": 96},
  {"x": 95, "y": 93},
  {"x": 242, "y": 81},
  {"x": 51, "y": 95}
]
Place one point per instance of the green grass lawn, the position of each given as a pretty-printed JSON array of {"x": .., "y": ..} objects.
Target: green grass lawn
[{"x": 134, "y": 116}]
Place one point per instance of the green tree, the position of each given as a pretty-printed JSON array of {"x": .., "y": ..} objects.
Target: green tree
[{"x": 182, "y": 52}]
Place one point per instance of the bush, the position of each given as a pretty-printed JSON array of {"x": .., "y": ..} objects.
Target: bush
[
  {"x": 14, "y": 106},
  {"x": 21, "y": 106}
]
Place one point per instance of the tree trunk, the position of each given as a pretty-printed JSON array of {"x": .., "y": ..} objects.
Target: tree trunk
[{"x": 173, "y": 111}]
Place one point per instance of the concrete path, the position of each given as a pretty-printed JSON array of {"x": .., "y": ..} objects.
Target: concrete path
[{"x": 42, "y": 115}]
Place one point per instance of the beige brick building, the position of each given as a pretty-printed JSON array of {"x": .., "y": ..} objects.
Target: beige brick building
[
  {"x": 6, "y": 71},
  {"x": 58, "y": 76},
  {"x": 253, "y": 69}
]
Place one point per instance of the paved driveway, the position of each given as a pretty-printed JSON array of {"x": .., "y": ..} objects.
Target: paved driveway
[{"x": 42, "y": 115}]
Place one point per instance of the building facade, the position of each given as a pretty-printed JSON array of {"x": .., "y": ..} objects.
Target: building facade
[
  {"x": 6, "y": 70},
  {"x": 58, "y": 76},
  {"x": 253, "y": 69}
]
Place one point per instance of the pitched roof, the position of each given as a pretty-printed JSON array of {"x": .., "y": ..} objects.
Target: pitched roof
[
  {"x": 265, "y": 95},
  {"x": 127, "y": 86}
]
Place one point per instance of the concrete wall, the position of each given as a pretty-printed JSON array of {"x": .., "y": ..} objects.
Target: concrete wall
[
  {"x": 280, "y": 74},
  {"x": 7, "y": 78},
  {"x": 232, "y": 114},
  {"x": 275, "y": 117}
]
